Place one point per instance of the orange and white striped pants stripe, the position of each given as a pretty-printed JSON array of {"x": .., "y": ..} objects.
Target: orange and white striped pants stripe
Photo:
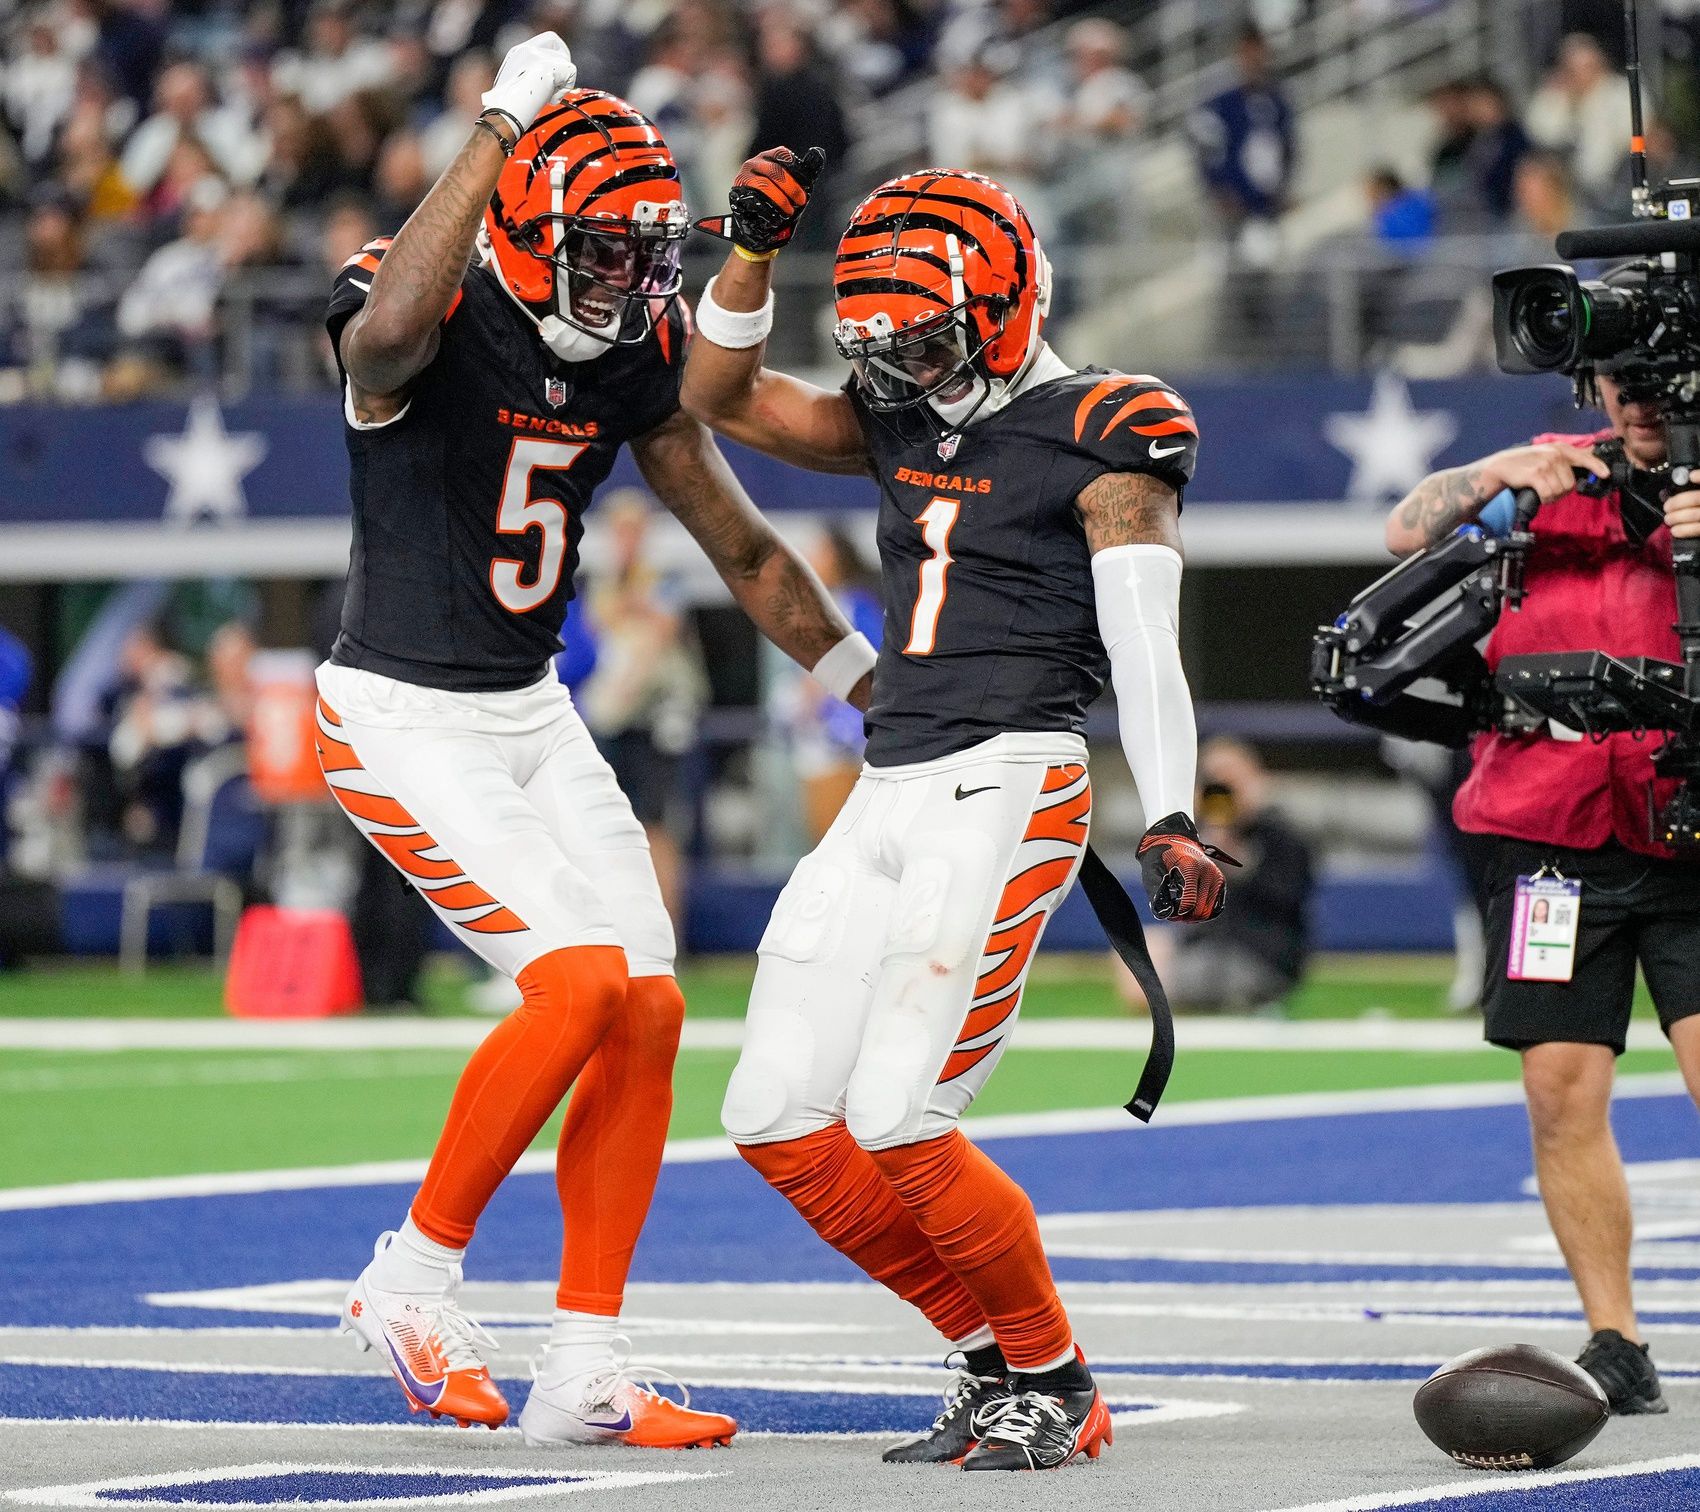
[
  {"x": 500, "y": 811},
  {"x": 891, "y": 975}
]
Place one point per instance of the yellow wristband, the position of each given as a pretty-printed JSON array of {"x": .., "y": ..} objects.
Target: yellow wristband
[{"x": 755, "y": 257}]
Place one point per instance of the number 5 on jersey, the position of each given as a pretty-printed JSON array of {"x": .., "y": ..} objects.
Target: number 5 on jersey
[
  {"x": 937, "y": 521},
  {"x": 518, "y": 512}
]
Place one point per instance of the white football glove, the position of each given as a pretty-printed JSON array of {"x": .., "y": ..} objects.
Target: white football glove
[{"x": 535, "y": 73}]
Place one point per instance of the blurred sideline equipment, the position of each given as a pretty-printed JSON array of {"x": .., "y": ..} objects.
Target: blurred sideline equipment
[
  {"x": 1511, "y": 1407},
  {"x": 292, "y": 963}
]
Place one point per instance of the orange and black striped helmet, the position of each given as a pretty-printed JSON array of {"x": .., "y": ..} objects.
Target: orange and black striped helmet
[
  {"x": 942, "y": 289},
  {"x": 588, "y": 219}
]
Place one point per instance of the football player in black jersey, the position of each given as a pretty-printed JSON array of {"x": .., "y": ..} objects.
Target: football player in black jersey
[
  {"x": 1029, "y": 541},
  {"x": 485, "y": 399}
]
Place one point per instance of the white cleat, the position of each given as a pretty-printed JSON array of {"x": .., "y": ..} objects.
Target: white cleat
[
  {"x": 432, "y": 1348},
  {"x": 614, "y": 1405}
]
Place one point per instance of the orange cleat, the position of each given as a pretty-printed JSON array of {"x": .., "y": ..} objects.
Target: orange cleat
[
  {"x": 615, "y": 1406},
  {"x": 431, "y": 1346}
]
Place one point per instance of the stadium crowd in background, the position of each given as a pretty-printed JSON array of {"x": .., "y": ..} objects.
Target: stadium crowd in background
[{"x": 151, "y": 154}]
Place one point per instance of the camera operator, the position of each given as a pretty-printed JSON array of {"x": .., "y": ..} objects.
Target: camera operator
[{"x": 1575, "y": 810}]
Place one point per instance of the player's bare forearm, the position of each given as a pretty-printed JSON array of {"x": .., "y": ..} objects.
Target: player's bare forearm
[
  {"x": 1128, "y": 509},
  {"x": 1438, "y": 506},
  {"x": 772, "y": 584},
  {"x": 730, "y": 390},
  {"x": 388, "y": 344}
]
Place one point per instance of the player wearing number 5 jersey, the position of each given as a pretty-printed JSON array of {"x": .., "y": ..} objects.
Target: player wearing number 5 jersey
[
  {"x": 485, "y": 398},
  {"x": 1029, "y": 546}
]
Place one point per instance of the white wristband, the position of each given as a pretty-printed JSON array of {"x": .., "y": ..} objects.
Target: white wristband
[
  {"x": 845, "y": 665},
  {"x": 734, "y": 329}
]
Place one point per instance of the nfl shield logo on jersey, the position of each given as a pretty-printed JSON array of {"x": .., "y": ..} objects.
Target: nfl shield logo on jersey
[
  {"x": 947, "y": 446},
  {"x": 555, "y": 391}
]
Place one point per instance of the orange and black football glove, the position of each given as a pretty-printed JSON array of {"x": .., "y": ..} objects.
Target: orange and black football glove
[
  {"x": 1180, "y": 870},
  {"x": 768, "y": 198}
]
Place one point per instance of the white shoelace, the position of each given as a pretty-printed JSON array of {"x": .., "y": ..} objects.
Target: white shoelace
[
  {"x": 603, "y": 1385},
  {"x": 1026, "y": 1416},
  {"x": 460, "y": 1339}
]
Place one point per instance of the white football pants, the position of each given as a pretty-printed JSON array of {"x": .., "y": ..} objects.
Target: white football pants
[
  {"x": 498, "y": 808},
  {"x": 891, "y": 973}
]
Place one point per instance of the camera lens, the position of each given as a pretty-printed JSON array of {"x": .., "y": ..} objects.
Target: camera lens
[{"x": 1543, "y": 323}]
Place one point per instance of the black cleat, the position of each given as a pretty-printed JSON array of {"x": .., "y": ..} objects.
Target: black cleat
[
  {"x": 1625, "y": 1373},
  {"x": 1041, "y": 1431},
  {"x": 969, "y": 1406}
]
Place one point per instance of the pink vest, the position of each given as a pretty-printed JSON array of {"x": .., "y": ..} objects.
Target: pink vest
[{"x": 1588, "y": 589}]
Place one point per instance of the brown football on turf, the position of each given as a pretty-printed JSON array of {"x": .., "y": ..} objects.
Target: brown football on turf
[{"x": 1511, "y": 1407}]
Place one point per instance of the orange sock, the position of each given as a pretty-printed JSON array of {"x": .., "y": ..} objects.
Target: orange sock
[
  {"x": 983, "y": 1227},
  {"x": 833, "y": 1182},
  {"x": 515, "y": 1080},
  {"x": 611, "y": 1142}
]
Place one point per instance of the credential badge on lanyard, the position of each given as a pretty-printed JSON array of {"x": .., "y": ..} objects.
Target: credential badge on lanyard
[{"x": 1545, "y": 915}]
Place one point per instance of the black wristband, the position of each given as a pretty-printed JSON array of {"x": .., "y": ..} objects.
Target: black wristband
[{"x": 495, "y": 110}]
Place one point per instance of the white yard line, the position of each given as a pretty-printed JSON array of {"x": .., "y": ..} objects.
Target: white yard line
[
  {"x": 995, "y": 1126},
  {"x": 1500, "y": 1485},
  {"x": 1452, "y": 1036}
]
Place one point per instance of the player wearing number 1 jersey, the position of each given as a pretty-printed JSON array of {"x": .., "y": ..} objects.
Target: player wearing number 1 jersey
[
  {"x": 483, "y": 403},
  {"x": 1029, "y": 547}
]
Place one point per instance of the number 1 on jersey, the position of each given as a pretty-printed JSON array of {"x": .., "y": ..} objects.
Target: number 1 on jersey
[
  {"x": 937, "y": 521},
  {"x": 518, "y": 512}
]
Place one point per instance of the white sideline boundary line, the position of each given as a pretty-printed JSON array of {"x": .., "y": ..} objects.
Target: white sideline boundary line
[
  {"x": 1218, "y": 1110},
  {"x": 1500, "y": 1484},
  {"x": 343, "y": 1035}
]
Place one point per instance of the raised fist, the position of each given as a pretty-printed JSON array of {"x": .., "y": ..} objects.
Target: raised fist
[
  {"x": 768, "y": 198},
  {"x": 1180, "y": 870},
  {"x": 535, "y": 73}
]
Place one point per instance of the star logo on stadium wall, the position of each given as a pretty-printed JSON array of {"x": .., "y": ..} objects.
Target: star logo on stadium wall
[
  {"x": 1392, "y": 445},
  {"x": 205, "y": 465}
]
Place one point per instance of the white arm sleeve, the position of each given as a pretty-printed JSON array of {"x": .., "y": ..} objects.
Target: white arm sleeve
[{"x": 1138, "y": 592}]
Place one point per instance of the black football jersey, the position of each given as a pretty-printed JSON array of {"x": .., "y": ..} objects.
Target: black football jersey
[
  {"x": 990, "y": 621},
  {"x": 469, "y": 507}
]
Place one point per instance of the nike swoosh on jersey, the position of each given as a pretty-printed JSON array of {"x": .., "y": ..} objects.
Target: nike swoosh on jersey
[
  {"x": 970, "y": 792},
  {"x": 425, "y": 1394},
  {"x": 1167, "y": 451}
]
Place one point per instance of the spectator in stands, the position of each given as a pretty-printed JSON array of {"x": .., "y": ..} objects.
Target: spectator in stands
[
  {"x": 1543, "y": 206},
  {"x": 1254, "y": 954},
  {"x": 302, "y": 169},
  {"x": 824, "y": 733},
  {"x": 1450, "y": 182},
  {"x": 157, "y": 727},
  {"x": 88, "y": 168},
  {"x": 168, "y": 312},
  {"x": 1103, "y": 110},
  {"x": 641, "y": 701},
  {"x": 797, "y": 104},
  {"x": 400, "y": 179},
  {"x": 338, "y": 63},
  {"x": 1498, "y": 144},
  {"x": 1246, "y": 147},
  {"x": 1402, "y": 216},
  {"x": 1581, "y": 112},
  {"x": 59, "y": 331},
  {"x": 39, "y": 85},
  {"x": 471, "y": 75},
  {"x": 880, "y": 43},
  {"x": 995, "y": 122},
  {"x": 184, "y": 108}
]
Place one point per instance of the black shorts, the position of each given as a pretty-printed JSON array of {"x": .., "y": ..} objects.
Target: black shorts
[
  {"x": 647, "y": 775},
  {"x": 1634, "y": 908}
]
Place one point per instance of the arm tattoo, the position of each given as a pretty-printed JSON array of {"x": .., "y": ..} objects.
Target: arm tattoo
[
  {"x": 1123, "y": 509},
  {"x": 771, "y": 583},
  {"x": 1442, "y": 502},
  {"x": 394, "y": 335}
]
